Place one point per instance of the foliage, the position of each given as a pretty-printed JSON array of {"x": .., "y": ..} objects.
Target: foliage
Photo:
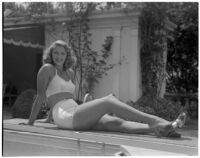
[
  {"x": 182, "y": 64},
  {"x": 28, "y": 9},
  {"x": 91, "y": 65},
  {"x": 23, "y": 105},
  {"x": 155, "y": 33},
  {"x": 188, "y": 101},
  {"x": 181, "y": 45},
  {"x": 153, "y": 46},
  {"x": 96, "y": 66},
  {"x": 158, "y": 106}
]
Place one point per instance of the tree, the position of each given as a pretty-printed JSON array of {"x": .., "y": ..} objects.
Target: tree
[
  {"x": 153, "y": 34},
  {"x": 182, "y": 65},
  {"x": 91, "y": 65}
]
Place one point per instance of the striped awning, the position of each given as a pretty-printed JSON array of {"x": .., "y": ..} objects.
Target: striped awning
[{"x": 26, "y": 36}]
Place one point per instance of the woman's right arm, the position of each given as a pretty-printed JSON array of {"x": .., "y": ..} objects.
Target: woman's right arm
[{"x": 42, "y": 83}]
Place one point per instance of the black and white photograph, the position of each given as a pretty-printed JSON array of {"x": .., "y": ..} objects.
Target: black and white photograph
[{"x": 100, "y": 78}]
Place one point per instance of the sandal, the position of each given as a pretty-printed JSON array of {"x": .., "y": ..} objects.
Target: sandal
[
  {"x": 161, "y": 131},
  {"x": 169, "y": 130},
  {"x": 180, "y": 121}
]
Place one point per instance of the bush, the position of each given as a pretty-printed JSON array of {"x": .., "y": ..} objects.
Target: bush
[
  {"x": 23, "y": 105},
  {"x": 157, "y": 106}
]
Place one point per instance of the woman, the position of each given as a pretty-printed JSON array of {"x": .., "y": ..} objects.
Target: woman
[{"x": 55, "y": 85}]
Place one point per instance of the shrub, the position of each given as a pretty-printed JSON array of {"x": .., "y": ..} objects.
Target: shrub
[
  {"x": 23, "y": 105},
  {"x": 157, "y": 106}
]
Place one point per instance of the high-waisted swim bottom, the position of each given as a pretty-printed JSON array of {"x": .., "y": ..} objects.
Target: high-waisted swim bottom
[{"x": 63, "y": 113}]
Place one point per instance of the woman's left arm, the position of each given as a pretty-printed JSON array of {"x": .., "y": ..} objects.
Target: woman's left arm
[{"x": 72, "y": 77}]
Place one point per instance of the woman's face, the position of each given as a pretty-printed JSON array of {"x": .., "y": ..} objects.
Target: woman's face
[{"x": 59, "y": 55}]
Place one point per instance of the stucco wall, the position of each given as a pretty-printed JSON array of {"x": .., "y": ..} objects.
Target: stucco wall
[{"x": 125, "y": 78}]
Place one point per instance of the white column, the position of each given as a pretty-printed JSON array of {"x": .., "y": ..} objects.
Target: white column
[
  {"x": 135, "y": 69},
  {"x": 116, "y": 59}
]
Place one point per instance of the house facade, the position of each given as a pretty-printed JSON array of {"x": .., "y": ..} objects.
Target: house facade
[{"x": 124, "y": 80}]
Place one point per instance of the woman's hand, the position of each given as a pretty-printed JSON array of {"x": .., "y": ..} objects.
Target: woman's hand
[
  {"x": 23, "y": 123},
  {"x": 87, "y": 98},
  {"x": 47, "y": 120}
]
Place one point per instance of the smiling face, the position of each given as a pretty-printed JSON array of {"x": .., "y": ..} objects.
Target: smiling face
[{"x": 59, "y": 55}]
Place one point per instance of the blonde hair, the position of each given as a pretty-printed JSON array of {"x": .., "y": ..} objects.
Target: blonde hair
[{"x": 70, "y": 59}]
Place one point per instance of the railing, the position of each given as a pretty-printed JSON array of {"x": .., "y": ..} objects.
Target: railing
[{"x": 188, "y": 100}]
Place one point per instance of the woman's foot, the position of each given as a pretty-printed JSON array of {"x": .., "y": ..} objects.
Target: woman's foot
[
  {"x": 166, "y": 131},
  {"x": 180, "y": 121},
  {"x": 163, "y": 128}
]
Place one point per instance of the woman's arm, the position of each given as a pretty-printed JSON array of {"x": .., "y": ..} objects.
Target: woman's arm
[
  {"x": 49, "y": 117},
  {"x": 35, "y": 109},
  {"x": 42, "y": 83},
  {"x": 71, "y": 75}
]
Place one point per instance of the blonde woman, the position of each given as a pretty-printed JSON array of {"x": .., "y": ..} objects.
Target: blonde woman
[{"x": 56, "y": 86}]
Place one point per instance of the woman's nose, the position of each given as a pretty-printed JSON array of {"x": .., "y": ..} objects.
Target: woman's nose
[{"x": 59, "y": 56}]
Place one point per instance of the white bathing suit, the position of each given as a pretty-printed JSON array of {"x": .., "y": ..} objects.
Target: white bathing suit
[
  {"x": 63, "y": 110},
  {"x": 63, "y": 113},
  {"x": 59, "y": 85}
]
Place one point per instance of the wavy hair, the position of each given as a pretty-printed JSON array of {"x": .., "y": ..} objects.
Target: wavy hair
[{"x": 70, "y": 59}]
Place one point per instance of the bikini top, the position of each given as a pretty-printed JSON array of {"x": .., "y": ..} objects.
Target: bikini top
[{"x": 59, "y": 85}]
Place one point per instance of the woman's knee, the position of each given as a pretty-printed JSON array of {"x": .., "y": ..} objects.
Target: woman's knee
[{"x": 110, "y": 99}]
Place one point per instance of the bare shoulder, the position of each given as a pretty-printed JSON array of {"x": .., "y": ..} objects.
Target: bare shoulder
[{"x": 47, "y": 69}]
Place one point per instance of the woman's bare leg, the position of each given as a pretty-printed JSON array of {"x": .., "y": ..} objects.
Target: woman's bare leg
[
  {"x": 116, "y": 124},
  {"x": 87, "y": 115},
  {"x": 112, "y": 123}
]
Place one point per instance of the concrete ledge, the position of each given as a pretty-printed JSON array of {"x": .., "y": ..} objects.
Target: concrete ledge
[{"x": 185, "y": 145}]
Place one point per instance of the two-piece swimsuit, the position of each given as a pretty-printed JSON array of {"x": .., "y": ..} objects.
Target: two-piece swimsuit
[{"x": 63, "y": 110}]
